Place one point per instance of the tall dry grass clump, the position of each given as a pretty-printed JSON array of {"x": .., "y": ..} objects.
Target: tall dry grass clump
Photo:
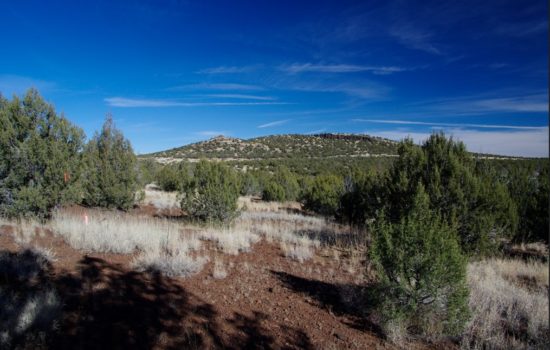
[
  {"x": 108, "y": 232},
  {"x": 296, "y": 234},
  {"x": 509, "y": 304},
  {"x": 161, "y": 244},
  {"x": 161, "y": 200}
]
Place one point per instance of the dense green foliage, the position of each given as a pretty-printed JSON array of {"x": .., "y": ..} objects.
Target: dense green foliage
[
  {"x": 147, "y": 171},
  {"x": 477, "y": 202},
  {"x": 362, "y": 198},
  {"x": 322, "y": 194},
  {"x": 40, "y": 157},
  {"x": 169, "y": 178},
  {"x": 110, "y": 169},
  {"x": 212, "y": 193},
  {"x": 422, "y": 273},
  {"x": 250, "y": 184},
  {"x": 281, "y": 186},
  {"x": 467, "y": 193},
  {"x": 529, "y": 186}
]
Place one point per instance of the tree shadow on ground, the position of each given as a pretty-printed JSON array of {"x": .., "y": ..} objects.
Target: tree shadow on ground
[
  {"x": 106, "y": 306},
  {"x": 331, "y": 238},
  {"x": 351, "y": 301}
]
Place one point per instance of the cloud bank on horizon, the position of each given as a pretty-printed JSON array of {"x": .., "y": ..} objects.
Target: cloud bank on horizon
[{"x": 175, "y": 72}]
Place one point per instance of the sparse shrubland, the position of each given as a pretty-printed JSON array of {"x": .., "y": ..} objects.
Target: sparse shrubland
[{"x": 429, "y": 232}]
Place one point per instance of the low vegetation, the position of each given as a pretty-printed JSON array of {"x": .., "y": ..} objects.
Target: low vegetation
[
  {"x": 509, "y": 303},
  {"x": 446, "y": 246}
]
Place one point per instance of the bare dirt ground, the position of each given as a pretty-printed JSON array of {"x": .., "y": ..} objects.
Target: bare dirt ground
[{"x": 263, "y": 300}]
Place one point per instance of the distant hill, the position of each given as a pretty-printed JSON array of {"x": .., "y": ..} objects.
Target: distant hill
[{"x": 281, "y": 147}]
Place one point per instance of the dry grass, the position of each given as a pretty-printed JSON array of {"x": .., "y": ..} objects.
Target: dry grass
[
  {"x": 231, "y": 240},
  {"x": 161, "y": 244},
  {"x": 509, "y": 303},
  {"x": 293, "y": 232},
  {"x": 169, "y": 263},
  {"x": 121, "y": 233},
  {"x": 25, "y": 230},
  {"x": 171, "y": 247},
  {"x": 160, "y": 199},
  {"x": 254, "y": 204},
  {"x": 219, "y": 271}
]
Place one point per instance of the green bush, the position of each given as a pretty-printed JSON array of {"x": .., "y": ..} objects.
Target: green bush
[
  {"x": 281, "y": 186},
  {"x": 530, "y": 189},
  {"x": 471, "y": 198},
  {"x": 169, "y": 178},
  {"x": 147, "y": 171},
  {"x": 250, "y": 185},
  {"x": 422, "y": 273},
  {"x": 212, "y": 193},
  {"x": 361, "y": 199},
  {"x": 323, "y": 194},
  {"x": 40, "y": 157},
  {"x": 110, "y": 169},
  {"x": 273, "y": 192}
]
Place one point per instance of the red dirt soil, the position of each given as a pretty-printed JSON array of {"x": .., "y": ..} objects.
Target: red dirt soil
[{"x": 266, "y": 301}]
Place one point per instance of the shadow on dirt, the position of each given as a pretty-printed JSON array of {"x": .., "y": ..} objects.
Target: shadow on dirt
[
  {"x": 351, "y": 301},
  {"x": 105, "y": 306}
]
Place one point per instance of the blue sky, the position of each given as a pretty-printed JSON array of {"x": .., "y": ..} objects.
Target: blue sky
[{"x": 175, "y": 72}]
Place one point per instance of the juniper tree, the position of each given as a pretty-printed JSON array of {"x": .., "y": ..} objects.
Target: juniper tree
[
  {"x": 40, "y": 157},
  {"x": 110, "y": 169},
  {"x": 421, "y": 270},
  {"x": 476, "y": 201},
  {"x": 212, "y": 193},
  {"x": 281, "y": 186},
  {"x": 323, "y": 194}
]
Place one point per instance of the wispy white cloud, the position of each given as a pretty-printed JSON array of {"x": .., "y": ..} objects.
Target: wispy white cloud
[
  {"x": 523, "y": 29},
  {"x": 339, "y": 68},
  {"x": 242, "y": 96},
  {"x": 228, "y": 69},
  {"x": 458, "y": 125},
  {"x": 523, "y": 143},
  {"x": 366, "y": 90},
  {"x": 413, "y": 37},
  {"x": 274, "y": 123},
  {"x": 15, "y": 84},
  {"x": 537, "y": 102},
  {"x": 217, "y": 86},
  {"x": 133, "y": 103}
]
